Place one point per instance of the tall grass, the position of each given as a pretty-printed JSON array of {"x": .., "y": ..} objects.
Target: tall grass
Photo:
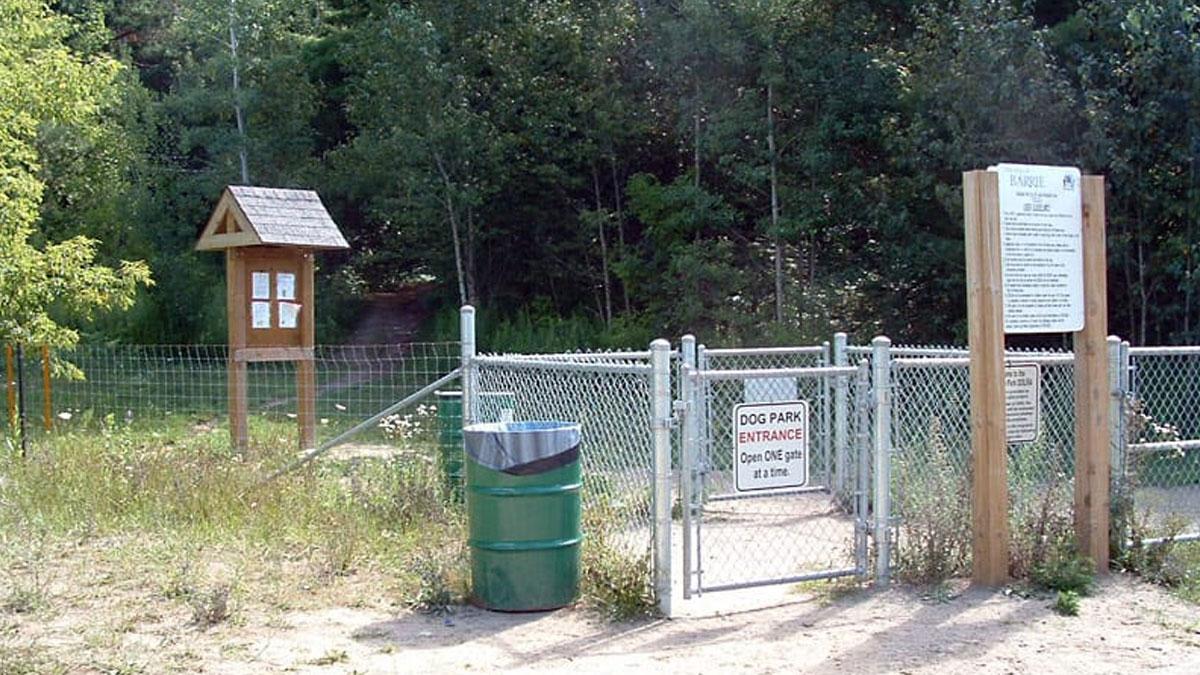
[
  {"x": 178, "y": 480},
  {"x": 933, "y": 500}
]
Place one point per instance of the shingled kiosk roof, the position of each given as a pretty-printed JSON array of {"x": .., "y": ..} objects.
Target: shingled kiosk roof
[{"x": 258, "y": 216}]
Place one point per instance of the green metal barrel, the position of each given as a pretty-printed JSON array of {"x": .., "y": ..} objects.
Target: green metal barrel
[
  {"x": 450, "y": 440},
  {"x": 525, "y": 530}
]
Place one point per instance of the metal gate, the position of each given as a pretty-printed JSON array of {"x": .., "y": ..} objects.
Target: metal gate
[
  {"x": 1157, "y": 459},
  {"x": 774, "y": 467}
]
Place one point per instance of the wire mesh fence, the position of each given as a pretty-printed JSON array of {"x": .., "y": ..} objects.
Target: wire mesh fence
[
  {"x": 1161, "y": 468},
  {"x": 114, "y": 385}
]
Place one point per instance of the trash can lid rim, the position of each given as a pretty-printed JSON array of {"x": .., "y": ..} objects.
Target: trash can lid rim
[{"x": 521, "y": 427}]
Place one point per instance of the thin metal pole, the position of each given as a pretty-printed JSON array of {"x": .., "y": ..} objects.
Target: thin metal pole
[
  {"x": 703, "y": 460},
  {"x": 47, "y": 392},
  {"x": 21, "y": 400},
  {"x": 881, "y": 385},
  {"x": 686, "y": 462},
  {"x": 660, "y": 359},
  {"x": 11, "y": 386},
  {"x": 368, "y": 423}
]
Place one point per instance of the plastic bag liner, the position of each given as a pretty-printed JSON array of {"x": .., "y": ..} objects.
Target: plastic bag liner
[{"x": 523, "y": 448}]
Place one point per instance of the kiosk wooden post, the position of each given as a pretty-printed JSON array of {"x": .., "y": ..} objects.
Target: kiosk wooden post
[
  {"x": 985, "y": 318},
  {"x": 269, "y": 237},
  {"x": 306, "y": 373},
  {"x": 985, "y": 326},
  {"x": 1092, "y": 423}
]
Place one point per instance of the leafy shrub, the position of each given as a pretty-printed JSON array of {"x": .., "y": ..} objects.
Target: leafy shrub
[
  {"x": 616, "y": 582},
  {"x": 1067, "y": 603},
  {"x": 1041, "y": 518},
  {"x": 1065, "y": 570},
  {"x": 934, "y": 505},
  {"x": 441, "y": 578}
]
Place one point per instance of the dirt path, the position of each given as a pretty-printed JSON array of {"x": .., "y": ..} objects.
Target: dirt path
[
  {"x": 1127, "y": 628},
  {"x": 348, "y": 627},
  {"x": 392, "y": 318}
]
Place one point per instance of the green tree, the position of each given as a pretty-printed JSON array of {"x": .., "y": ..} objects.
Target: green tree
[
  {"x": 1139, "y": 72},
  {"x": 45, "y": 87}
]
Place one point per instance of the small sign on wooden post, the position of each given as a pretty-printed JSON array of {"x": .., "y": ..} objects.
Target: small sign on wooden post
[
  {"x": 1035, "y": 264},
  {"x": 269, "y": 236}
]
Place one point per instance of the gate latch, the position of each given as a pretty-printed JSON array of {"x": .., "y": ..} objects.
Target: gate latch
[{"x": 678, "y": 408}]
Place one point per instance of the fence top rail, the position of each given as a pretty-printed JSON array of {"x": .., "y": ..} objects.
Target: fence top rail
[
  {"x": 771, "y": 373},
  {"x": 1011, "y": 358},
  {"x": 1187, "y": 350},
  {"x": 221, "y": 346},
  {"x": 525, "y": 363},
  {"x": 764, "y": 351},
  {"x": 1165, "y": 446},
  {"x": 904, "y": 350},
  {"x": 631, "y": 355}
]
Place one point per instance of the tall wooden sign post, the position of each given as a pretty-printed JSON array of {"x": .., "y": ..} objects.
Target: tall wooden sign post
[
  {"x": 269, "y": 237},
  {"x": 1035, "y": 264}
]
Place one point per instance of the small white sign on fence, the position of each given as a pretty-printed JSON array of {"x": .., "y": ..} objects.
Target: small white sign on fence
[
  {"x": 1022, "y": 402},
  {"x": 769, "y": 390},
  {"x": 770, "y": 445}
]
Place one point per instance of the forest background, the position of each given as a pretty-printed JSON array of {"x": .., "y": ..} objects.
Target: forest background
[{"x": 596, "y": 172}]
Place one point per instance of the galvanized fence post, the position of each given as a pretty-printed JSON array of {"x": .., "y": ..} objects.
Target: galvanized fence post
[
  {"x": 862, "y": 439},
  {"x": 826, "y": 420},
  {"x": 687, "y": 471},
  {"x": 881, "y": 387},
  {"x": 1115, "y": 406},
  {"x": 466, "y": 338},
  {"x": 701, "y": 398},
  {"x": 660, "y": 363},
  {"x": 840, "y": 417}
]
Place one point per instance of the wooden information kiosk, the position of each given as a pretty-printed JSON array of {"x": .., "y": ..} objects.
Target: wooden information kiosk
[{"x": 269, "y": 236}]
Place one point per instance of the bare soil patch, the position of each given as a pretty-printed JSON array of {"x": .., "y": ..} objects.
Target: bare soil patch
[{"x": 103, "y": 611}]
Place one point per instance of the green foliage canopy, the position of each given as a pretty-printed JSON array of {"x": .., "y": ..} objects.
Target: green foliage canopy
[{"x": 45, "y": 86}]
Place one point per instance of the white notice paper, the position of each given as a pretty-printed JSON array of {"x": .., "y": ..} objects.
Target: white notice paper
[
  {"x": 766, "y": 390},
  {"x": 260, "y": 315},
  {"x": 261, "y": 283},
  {"x": 289, "y": 313},
  {"x": 285, "y": 286},
  {"x": 1041, "y": 248},
  {"x": 1022, "y": 402},
  {"x": 770, "y": 445}
]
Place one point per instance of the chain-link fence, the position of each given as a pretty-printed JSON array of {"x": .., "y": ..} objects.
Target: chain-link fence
[
  {"x": 931, "y": 462},
  {"x": 785, "y": 520},
  {"x": 919, "y": 448},
  {"x": 1160, "y": 467},
  {"x": 609, "y": 396},
  {"x": 114, "y": 385}
]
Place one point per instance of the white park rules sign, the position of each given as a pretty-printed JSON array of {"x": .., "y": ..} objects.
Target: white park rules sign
[
  {"x": 770, "y": 445},
  {"x": 1041, "y": 248}
]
